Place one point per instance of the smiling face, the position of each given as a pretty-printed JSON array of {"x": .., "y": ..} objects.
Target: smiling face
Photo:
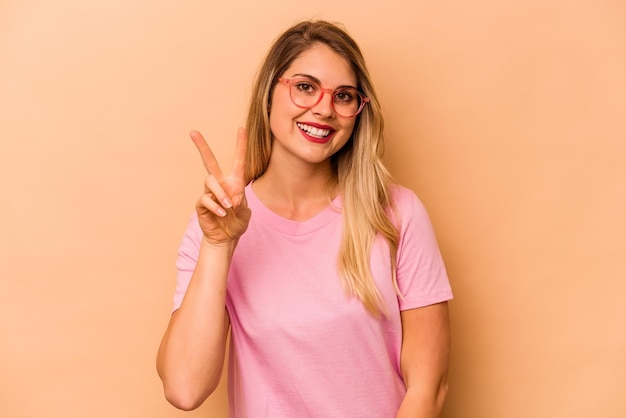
[{"x": 311, "y": 135}]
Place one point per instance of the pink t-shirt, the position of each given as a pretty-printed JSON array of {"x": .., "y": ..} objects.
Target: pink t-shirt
[{"x": 299, "y": 346}]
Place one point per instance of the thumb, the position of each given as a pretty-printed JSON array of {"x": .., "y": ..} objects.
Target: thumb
[{"x": 239, "y": 200}]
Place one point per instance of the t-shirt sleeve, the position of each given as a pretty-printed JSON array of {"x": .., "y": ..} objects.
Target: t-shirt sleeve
[
  {"x": 421, "y": 273},
  {"x": 187, "y": 258}
]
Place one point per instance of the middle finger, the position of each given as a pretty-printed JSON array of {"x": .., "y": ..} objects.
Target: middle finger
[{"x": 212, "y": 185}]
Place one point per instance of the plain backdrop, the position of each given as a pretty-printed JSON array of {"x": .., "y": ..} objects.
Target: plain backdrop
[{"x": 505, "y": 117}]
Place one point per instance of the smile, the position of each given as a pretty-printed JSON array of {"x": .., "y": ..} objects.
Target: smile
[{"x": 313, "y": 131}]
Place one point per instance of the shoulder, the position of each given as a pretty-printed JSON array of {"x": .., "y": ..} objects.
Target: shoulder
[
  {"x": 406, "y": 204},
  {"x": 401, "y": 194}
]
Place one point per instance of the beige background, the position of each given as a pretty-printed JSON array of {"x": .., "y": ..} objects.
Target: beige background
[{"x": 506, "y": 117}]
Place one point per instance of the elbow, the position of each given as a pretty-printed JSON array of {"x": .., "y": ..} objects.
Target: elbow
[
  {"x": 186, "y": 399},
  {"x": 185, "y": 393},
  {"x": 186, "y": 390},
  {"x": 442, "y": 394},
  {"x": 185, "y": 403}
]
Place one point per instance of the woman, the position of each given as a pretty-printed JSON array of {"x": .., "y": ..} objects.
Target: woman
[{"x": 327, "y": 274}]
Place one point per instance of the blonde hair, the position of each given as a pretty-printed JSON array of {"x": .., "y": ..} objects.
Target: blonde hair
[{"x": 361, "y": 175}]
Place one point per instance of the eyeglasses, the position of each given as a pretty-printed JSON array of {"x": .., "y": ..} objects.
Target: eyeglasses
[{"x": 306, "y": 93}]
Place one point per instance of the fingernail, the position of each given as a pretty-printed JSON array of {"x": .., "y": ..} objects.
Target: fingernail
[
  {"x": 227, "y": 203},
  {"x": 221, "y": 212}
]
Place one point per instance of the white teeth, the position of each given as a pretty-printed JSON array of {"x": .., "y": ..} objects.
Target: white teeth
[{"x": 319, "y": 133}]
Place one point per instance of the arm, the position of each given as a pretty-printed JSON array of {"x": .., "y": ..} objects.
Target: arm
[
  {"x": 191, "y": 355},
  {"x": 424, "y": 360}
]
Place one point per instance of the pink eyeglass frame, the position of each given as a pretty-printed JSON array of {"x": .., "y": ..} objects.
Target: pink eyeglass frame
[{"x": 292, "y": 81}]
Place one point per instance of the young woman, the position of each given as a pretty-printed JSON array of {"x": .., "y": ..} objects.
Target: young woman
[{"x": 326, "y": 273}]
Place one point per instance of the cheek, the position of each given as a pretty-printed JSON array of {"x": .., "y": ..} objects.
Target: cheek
[
  {"x": 276, "y": 122},
  {"x": 277, "y": 109},
  {"x": 349, "y": 128},
  {"x": 346, "y": 135}
]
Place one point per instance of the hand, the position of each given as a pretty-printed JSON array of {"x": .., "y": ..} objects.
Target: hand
[{"x": 223, "y": 211}]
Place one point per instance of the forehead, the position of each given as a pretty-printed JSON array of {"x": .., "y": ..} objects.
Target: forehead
[{"x": 326, "y": 65}]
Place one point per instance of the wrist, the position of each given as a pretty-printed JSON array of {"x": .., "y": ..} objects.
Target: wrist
[{"x": 226, "y": 245}]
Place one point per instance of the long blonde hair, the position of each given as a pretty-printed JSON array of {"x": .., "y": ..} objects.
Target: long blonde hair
[{"x": 362, "y": 177}]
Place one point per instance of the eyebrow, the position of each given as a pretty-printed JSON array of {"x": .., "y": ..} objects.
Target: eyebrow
[{"x": 309, "y": 76}]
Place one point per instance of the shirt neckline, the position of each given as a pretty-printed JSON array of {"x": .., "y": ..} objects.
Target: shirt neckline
[{"x": 265, "y": 215}]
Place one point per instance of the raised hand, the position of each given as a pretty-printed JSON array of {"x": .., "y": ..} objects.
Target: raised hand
[{"x": 223, "y": 211}]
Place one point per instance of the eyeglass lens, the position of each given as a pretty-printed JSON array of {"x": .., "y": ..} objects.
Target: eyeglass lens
[{"x": 307, "y": 93}]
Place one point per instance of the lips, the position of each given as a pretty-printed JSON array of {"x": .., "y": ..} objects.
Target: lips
[{"x": 315, "y": 132}]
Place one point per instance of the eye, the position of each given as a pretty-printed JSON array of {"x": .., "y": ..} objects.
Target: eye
[
  {"x": 306, "y": 87},
  {"x": 345, "y": 96}
]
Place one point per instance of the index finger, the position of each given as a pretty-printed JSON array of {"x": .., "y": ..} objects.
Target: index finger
[
  {"x": 208, "y": 158},
  {"x": 239, "y": 162}
]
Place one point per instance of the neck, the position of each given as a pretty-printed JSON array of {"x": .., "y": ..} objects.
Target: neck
[{"x": 297, "y": 193}]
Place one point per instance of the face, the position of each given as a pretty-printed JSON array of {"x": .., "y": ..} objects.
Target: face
[{"x": 311, "y": 135}]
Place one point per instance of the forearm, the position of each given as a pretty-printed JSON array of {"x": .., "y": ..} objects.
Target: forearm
[
  {"x": 423, "y": 403},
  {"x": 424, "y": 360},
  {"x": 191, "y": 355}
]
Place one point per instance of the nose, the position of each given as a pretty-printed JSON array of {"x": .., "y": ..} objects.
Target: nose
[{"x": 324, "y": 108}]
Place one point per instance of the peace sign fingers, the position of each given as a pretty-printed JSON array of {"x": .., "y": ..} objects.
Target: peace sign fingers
[
  {"x": 208, "y": 158},
  {"x": 240, "y": 155},
  {"x": 223, "y": 213}
]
